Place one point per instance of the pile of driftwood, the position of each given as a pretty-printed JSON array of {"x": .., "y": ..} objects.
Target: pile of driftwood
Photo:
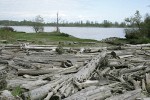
[{"x": 101, "y": 73}]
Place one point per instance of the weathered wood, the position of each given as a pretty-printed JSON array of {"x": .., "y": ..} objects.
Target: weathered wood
[
  {"x": 125, "y": 56},
  {"x": 3, "y": 61},
  {"x": 37, "y": 72},
  {"x": 42, "y": 91},
  {"x": 131, "y": 95},
  {"x": 148, "y": 82},
  {"x": 6, "y": 95},
  {"x": 88, "y": 83},
  {"x": 132, "y": 70},
  {"x": 103, "y": 92},
  {"x": 143, "y": 85},
  {"x": 53, "y": 91},
  {"x": 48, "y": 71},
  {"x": 92, "y": 92},
  {"x": 37, "y": 47},
  {"x": 86, "y": 71},
  {"x": 17, "y": 82},
  {"x": 31, "y": 85}
]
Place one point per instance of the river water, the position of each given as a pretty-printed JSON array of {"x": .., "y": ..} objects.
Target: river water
[{"x": 81, "y": 32}]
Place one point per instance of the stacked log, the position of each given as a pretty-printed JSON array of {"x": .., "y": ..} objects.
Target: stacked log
[{"x": 118, "y": 73}]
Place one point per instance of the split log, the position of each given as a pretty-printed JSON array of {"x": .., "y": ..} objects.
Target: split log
[
  {"x": 53, "y": 91},
  {"x": 88, "y": 69},
  {"x": 131, "y": 95},
  {"x": 42, "y": 91}
]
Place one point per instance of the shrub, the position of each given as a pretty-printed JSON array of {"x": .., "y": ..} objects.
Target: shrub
[
  {"x": 64, "y": 34},
  {"x": 9, "y": 29},
  {"x": 60, "y": 50},
  {"x": 132, "y": 34}
]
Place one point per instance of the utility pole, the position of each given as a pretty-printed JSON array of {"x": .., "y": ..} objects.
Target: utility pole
[{"x": 57, "y": 26}]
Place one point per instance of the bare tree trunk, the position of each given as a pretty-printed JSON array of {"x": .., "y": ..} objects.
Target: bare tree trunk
[{"x": 57, "y": 27}]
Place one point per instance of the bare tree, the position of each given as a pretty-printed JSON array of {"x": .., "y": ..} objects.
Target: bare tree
[
  {"x": 38, "y": 24},
  {"x": 57, "y": 23}
]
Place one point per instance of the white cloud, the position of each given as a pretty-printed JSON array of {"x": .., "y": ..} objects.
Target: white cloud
[{"x": 71, "y": 10}]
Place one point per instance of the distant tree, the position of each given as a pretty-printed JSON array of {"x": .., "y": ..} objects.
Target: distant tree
[
  {"x": 146, "y": 25},
  {"x": 38, "y": 24},
  {"x": 135, "y": 20},
  {"x": 116, "y": 24},
  {"x": 106, "y": 23},
  {"x": 122, "y": 24}
]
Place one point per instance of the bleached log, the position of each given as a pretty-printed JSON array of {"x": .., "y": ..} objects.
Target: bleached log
[
  {"x": 132, "y": 70},
  {"x": 48, "y": 71},
  {"x": 114, "y": 63},
  {"x": 135, "y": 83},
  {"x": 107, "y": 69},
  {"x": 68, "y": 90},
  {"x": 139, "y": 45},
  {"x": 42, "y": 91},
  {"x": 138, "y": 60},
  {"x": 31, "y": 85},
  {"x": 89, "y": 92},
  {"x": 88, "y": 83},
  {"x": 36, "y": 72},
  {"x": 143, "y": 85},
  {"x": 125, "y": 56},
  {"x": 147, "y": 82},
  {"x": 131, "y": 95},
  {"x": 53, "y": 91},
  {"x": 38, "y": 47},
  {"x": 17, "y": 82},
  {"x": 88, "y": 95},
  {"x": 6, "y": 95},
  {"x": 99, "y": 95},
  {"x": 86, "y": 71}
]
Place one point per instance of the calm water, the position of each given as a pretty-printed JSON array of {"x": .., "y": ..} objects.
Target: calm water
[{"x": 81, "y": 32}]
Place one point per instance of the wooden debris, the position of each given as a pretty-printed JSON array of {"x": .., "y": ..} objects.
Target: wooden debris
[{"x": 95, "y": 73}]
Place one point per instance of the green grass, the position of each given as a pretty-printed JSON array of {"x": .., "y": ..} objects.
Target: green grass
[
  {"x": 40, "y": 38},
  {"x": 16, "y": 91}
]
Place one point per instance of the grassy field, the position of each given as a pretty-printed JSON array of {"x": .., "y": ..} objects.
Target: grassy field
[{"x": 41, "y": 38}]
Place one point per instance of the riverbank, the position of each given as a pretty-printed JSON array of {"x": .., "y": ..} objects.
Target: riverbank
[{"x": 45, "y": 38}]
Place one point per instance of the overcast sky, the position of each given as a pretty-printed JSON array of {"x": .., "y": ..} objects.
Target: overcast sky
[{"x": 72, "y": 10}]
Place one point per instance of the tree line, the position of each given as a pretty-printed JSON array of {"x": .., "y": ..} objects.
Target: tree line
[{"x": 87, "y": 23}]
